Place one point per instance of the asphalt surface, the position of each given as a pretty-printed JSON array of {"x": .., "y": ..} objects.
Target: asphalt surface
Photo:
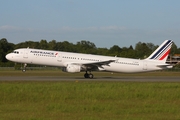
[{"x": 80, "y": 78}]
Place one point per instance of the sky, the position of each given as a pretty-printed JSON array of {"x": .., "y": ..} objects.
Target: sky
[{"x": 103, "y": 22}]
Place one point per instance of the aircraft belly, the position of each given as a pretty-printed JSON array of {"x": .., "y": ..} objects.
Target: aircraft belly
[{"x": 123, "y": 68}]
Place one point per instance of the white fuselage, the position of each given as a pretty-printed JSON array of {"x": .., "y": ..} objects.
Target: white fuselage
[{"x": 62, "y": 59}]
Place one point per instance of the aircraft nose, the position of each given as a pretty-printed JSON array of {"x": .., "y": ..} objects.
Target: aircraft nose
[{"x": 8, "y": 57}]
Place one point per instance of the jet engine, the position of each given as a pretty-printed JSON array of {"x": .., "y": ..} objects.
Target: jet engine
[{"x": 72, "y": 68}]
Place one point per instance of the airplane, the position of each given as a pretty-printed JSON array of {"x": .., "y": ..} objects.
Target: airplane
[{"x": 78, "y": 62}]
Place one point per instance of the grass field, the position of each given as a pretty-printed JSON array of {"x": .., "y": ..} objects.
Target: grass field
[{"x": 88, "y": 100}]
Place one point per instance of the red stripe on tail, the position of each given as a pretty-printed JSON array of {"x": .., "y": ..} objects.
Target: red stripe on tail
[{"x": 165, "y": 55}]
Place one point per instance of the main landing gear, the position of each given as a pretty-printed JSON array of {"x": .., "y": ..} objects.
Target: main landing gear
[{"x": 90, "y": 75}]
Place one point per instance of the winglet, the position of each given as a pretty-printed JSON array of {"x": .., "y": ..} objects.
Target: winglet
[{"x": 162, "y": 52}]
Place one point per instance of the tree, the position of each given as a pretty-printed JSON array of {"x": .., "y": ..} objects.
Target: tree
[
  {"x": 174, "y": 49},
  {"x": 131, "y": 47},
  {"x": 26, "y": 44},
  {"x": 115, "y": 50},
  {"x": 130, "y": 52},
  {"x": 52, "y": 45},
  {"x": 102, "y": 51},
  {"x": 151, "y": 47},
  {"x": 65, "y": 46},
  {"x": 86, "y": 47},
  {"x": 142, "y": 50},
  {"x": 43, "y": 44},
  {"x": 5, "y": 47},
  {"x": 124, "y": 52}
]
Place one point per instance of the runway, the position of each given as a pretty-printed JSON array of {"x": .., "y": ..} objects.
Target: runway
[{"x": 80, "y": 78}]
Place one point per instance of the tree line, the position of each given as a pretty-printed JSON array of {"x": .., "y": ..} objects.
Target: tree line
[{"x": 141, "y": 50}]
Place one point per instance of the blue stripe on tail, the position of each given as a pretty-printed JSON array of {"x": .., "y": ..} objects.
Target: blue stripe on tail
[{"x": 166, "y": 45}]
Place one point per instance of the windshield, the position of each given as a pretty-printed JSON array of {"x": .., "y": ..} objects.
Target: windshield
[{"x": 16, "y": 52}]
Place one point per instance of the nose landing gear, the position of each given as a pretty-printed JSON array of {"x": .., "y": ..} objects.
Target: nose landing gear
[
  {"x": 88, "y": 75},
  {"x": 24, "y": 67}
]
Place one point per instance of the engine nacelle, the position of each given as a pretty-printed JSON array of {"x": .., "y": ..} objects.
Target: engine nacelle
[{"x": 72, "y": 68}]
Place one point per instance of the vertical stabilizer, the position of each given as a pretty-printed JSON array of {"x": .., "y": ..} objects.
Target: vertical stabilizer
[{"x": 162, "y": 52}]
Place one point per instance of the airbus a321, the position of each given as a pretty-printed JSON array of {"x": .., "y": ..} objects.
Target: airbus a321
[{"x": 77, "y": 62}]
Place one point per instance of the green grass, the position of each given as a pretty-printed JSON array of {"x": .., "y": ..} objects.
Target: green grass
[{"x": 90, "y": 100}]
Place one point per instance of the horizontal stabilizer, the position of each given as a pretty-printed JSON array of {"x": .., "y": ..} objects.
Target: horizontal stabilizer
[{"x": 165, "y": 66}]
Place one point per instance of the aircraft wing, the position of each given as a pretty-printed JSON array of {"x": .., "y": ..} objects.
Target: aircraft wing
[
  {"x": 93, "y": 65},
  {"x": 99, "y": 63}
]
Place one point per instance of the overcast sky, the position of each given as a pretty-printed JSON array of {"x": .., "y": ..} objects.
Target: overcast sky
[{"x": 103, "y": 22}]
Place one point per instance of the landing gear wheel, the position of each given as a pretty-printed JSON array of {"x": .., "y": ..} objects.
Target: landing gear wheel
[
  {"x": 91, "y": 76},
  {"x": 86, "y": 75},
  {"x": 24, "y": 68}
]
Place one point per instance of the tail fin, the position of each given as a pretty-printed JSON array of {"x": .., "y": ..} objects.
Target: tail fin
[{"x": 162, "y": 52}]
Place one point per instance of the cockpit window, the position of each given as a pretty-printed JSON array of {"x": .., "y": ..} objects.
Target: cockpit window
[{"x": 16, "y": 52}]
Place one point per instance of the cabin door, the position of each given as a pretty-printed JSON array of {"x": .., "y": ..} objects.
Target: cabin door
[
  {"x": 145, "y": 65},
  {"x": 25, "y": 55},
  {"x": 59, "y": 57}
]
